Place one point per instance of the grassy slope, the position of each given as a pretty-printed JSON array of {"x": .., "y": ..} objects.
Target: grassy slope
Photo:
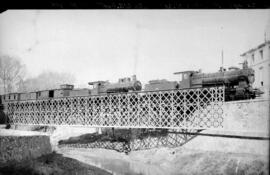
[{"x": 50, "y": 164}]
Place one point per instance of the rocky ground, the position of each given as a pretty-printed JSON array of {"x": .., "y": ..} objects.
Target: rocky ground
[
  {"x": 172, "y": 161},
  {"x": 50, "y": 164}
]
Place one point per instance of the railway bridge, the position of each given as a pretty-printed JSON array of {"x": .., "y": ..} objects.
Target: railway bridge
[{"x": 199, "y": 108}]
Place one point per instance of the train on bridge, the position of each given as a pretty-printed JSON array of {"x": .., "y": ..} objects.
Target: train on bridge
[{"x": 237, "y": 81}]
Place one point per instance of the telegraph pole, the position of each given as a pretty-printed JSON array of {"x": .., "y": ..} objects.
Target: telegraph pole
[
  {"x": 222, "y": 58},
  {"x": 136, "y": 49},
  {"x": 222, "y": 54}
]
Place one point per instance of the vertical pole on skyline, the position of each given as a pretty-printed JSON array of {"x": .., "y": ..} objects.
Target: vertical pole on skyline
[
  {"x": 222, "y": 54},
  {"x": 136, "y": 48},
  {"x": 222, "y": 58}
]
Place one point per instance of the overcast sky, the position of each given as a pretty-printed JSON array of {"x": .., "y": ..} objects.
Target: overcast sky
[{"x": 110, "y": 44}]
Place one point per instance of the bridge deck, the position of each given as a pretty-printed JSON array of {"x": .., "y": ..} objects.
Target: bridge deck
[{"x": 187, "y": 109}]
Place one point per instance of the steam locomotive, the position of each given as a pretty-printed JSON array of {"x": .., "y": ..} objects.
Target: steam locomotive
[
  {"x": 238, "y": 82},
  {"x": 238, "y": 85},
  {"x": 123, "y": 85}
]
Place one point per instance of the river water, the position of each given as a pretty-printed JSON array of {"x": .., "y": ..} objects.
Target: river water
[{"x": 117, "y": 164}]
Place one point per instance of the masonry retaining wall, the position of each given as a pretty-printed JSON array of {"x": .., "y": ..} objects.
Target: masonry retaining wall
[{"x": 249, "y": 116}]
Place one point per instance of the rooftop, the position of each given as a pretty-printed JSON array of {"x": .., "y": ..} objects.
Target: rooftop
[{"x": 256, "y": 48}]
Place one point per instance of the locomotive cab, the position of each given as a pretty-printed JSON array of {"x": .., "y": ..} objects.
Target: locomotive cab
[{"x": 185, "y": 79}]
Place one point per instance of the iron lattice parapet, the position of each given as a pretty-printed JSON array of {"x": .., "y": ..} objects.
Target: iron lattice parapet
[{"x": 187, "y": 109}]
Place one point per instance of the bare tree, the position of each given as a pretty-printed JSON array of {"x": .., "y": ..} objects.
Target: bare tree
[
  {"x": 11, "y": 72},
  {"x": 46, "y": 80}
]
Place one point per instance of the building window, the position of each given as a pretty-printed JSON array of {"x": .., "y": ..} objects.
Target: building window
[
  {"x": 252, "y": 58},
  {"x": 261, "y": 75},
  {"x": 261, "y": 54}
]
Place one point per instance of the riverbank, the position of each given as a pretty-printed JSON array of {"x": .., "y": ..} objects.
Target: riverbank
[
  {"x": 30, "y": 152},
  {"x": 50, "y": 164}
]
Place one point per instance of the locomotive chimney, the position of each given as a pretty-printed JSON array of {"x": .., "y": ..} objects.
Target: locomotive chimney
[{"x": 134, "y": 78}]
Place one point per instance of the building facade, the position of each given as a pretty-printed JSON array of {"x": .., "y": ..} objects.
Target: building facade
[{"x": 258, "y": 58}]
